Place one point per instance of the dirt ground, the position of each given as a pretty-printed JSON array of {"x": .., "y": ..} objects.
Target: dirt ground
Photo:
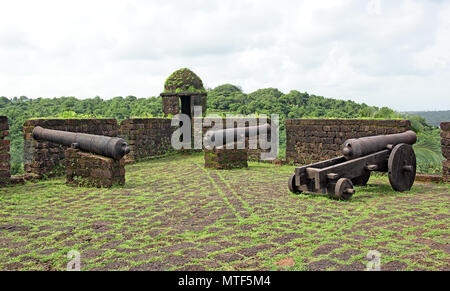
[{"x": 173, "y": 214}]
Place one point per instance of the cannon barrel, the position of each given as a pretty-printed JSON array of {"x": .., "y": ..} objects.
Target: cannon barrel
[
  {"x": 112, "y": 147},
  {"x": 358, "y": 147},
  {"x": 235, "y": 133}
]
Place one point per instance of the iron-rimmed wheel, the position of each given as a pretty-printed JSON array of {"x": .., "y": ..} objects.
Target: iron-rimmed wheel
[
  {"x": 344, "y": 189},
  {"x": 402, "y": 167},
  {"x": 291, "y": 184}
]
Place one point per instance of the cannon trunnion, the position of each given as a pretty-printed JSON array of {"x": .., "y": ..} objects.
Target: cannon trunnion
[{"x": 336, "y": 177}]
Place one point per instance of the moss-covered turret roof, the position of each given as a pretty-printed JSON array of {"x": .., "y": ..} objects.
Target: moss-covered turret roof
[{"x": 184, "y": 80}]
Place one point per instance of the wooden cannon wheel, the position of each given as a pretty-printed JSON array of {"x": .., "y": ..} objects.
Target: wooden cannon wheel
[
  {"x": 402, "y": 167},
  {"x": 344, "y": 189},
  {"x": 361, "y": 180},
  {"x": 291, "y": 185}
]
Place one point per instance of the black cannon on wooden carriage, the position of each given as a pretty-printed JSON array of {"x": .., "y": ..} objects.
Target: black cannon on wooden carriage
[
  {"x": 336, "y": 177},
  {"x": 107, "y": 146}
]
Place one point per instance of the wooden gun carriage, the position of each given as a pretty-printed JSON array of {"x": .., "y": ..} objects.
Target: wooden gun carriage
[{"x": 383, "y": 153}]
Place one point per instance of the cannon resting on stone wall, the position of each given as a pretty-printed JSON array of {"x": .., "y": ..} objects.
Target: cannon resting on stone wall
[
  {"x": 112, "y": 147},
  {"x": 393, "y": 154},
  {"x": 221, "y": 137},
  {"x": 219, "y": 146},
  {"x": 91, "y": 160}
]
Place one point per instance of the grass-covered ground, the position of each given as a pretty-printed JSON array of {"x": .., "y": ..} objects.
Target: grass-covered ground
[{"x": 174, "y": 214}]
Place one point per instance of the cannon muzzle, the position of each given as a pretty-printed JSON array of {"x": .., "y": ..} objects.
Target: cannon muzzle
[
  {"x": 112, "y": 147},
  {"x": 358, "y": 147}
]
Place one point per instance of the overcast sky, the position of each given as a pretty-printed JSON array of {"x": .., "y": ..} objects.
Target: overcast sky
[{"x": 383, "y": 53}]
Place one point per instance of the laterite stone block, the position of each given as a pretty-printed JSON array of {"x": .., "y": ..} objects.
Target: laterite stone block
[
  {"x": 89, "y": 170},
  {"x": 221, "y": 158},
  {"x": 5, "y": 158}
]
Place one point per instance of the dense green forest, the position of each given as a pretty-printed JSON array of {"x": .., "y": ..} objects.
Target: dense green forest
[
  {"x": 223, "y": 99},
  {"x": 432, "y": 117}
]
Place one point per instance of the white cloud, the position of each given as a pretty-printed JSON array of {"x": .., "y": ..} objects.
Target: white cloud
[{"x": 392, "y": 53}]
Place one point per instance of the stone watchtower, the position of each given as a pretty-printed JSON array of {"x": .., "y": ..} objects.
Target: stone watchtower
[{"x": 183, "y": 90}]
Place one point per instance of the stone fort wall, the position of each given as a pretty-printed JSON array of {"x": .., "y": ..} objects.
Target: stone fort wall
[
  {"x": 307, "y": 140},
  {"x": 5, "y": 157},
  {"x": 146, "y": 137}
]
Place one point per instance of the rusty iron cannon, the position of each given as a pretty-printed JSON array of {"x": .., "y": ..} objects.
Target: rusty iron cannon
[
  {"x": 112, "y": 147},
  {"x": 221, "y": 137},
  {"x": 336, "y": 177}
]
